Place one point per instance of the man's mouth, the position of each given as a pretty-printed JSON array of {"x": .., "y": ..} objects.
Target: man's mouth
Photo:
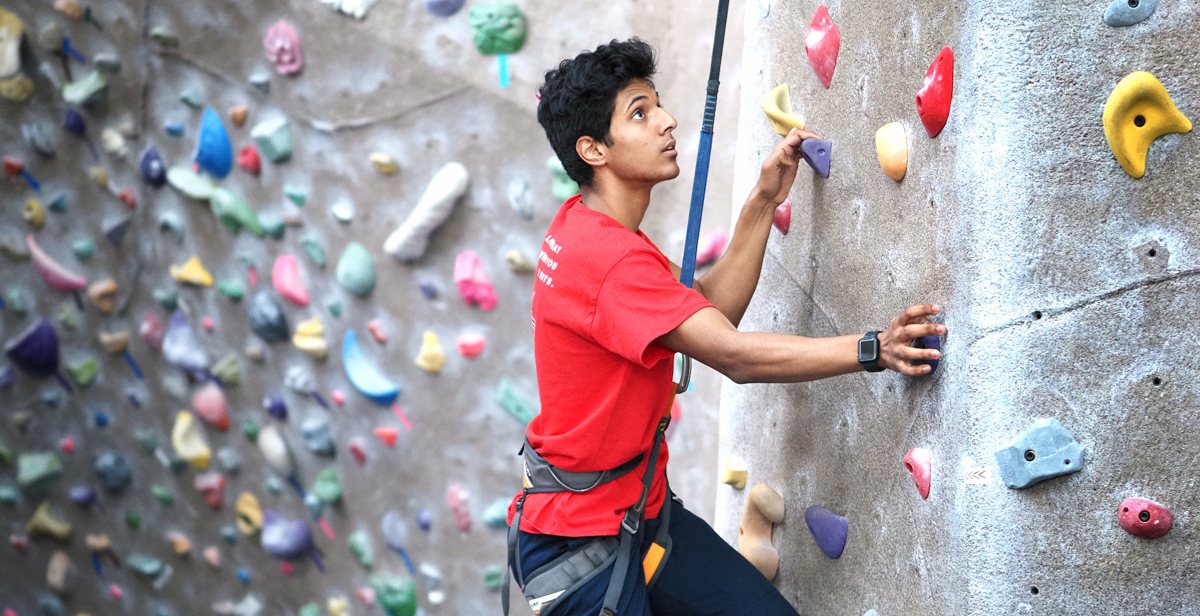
[{"x": 670, "y": 148}]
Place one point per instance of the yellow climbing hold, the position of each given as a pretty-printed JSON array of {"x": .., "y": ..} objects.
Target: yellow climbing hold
[
  {"x": 892, "y": 147},
  {"x": 338, "y": 606},
  {"x": 99, "y": 176},
  {"x": 778, "y": 105},
  {"x": 192, "y": 272},
  {"x": 45, "y": 524},
  {"x": 733, "y": 472},
  {"x": 249, "y": 514},
  {"x": 384, "y": 163},
  {"x": 1138, "y": 111},
  {"x": 310, "y": 338},
  {"x": 34, "y": 213},
  {"x": 17, "y": 89},
  {"x": 432, "y": 356},
  {"x": 187, "y": 441}
]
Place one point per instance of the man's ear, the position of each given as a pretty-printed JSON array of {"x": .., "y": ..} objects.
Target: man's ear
[{"x": 593, "y": 152}]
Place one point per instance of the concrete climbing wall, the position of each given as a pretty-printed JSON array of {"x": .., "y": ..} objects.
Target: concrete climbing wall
[
  {"x": 1069, "y": 290},
  {"x": 400, "y": 82}
]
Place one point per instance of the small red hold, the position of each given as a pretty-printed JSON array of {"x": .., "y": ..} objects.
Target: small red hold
[
  {"x": 387, "y": 435},
  {"x": 252, "y": 274},
  {"x": 67, "y": 445},
  {"x": 1144, "y": 518},
  {"x": 115, "y": 591},
  {"x": 358, "y": 449},
  {"x": 933, "y": 100},
  {"x": 783, "y": 216},
  {"x": 127, "y": 198},
  {"x": 287, "y": 568},
  {"x": 338, "y": 397},
  {"x": 207, "y": 323},
  {"x": 13, "y": 165},
  {"x": 822, "y": 43},
  {"x": 375, "y": 326},
  {"x": 919, "y": 463},
  {"x": 212, "y": 486},
  {"x": 470, "y": 345},
  {"x": 366, "y": 595},
  {"x": 249, "y": 160},
  {"x": 21, "y": 542},
  {"x": 459, "y": 501}
]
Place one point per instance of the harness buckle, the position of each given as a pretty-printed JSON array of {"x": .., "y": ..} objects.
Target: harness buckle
[{"x": 630, "y": 524}]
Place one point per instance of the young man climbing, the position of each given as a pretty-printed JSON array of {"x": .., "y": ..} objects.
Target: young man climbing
[{"x": 595, "y": 530}]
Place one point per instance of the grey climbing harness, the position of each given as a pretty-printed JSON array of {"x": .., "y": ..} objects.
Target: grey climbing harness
[{"x": 546, "y": 587}]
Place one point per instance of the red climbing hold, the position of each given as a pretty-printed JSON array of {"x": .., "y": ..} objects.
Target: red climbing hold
[
  {"x": 337, "y": 396},
  {"x": 919, "y": 464},
  {"x": 207, "y": 323},
  {"x": 783, "y": 216},
  {"x": 115, "y": 591},
  {"x": 209, "y": 403},
  {"x": 358, "y": 449},
  {"x": 212, "y": 486},
  {"x": 67, "y": 445},
  {"x": 287, "y": 568},
  {"x": 459, "y": 500},
  {"x": 20, "y": 542},
  {"x": 13, "y": 165},
  {"x": 1144, "y": 518},
  {"x": 127, "y": 198},
  {"x": 933, "y": 100},
  {"x": 387, "y": 435},
  {"x": 822, "y": 43},
  {"x": 152, "y": 331},
  {"x": 249, "y": 160}
]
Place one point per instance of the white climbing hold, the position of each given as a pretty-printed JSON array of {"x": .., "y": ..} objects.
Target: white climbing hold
[
  {"x": 354, "y": 8},
  {"x": 408, "y": 242}
]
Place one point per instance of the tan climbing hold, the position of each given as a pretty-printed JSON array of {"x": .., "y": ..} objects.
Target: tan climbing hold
[
  {"x": 384, "y": 163},
  {"x": 764, "y": 509},
  {"x": 45, "y": 524},
  {"x": 432, "y": 356},
  {"x": 778, "y": 106},
  {"x": 99, "y": 176},
  {"x": 892, "y": 147},
  {"x": 102, "y": 294},
  {"x": 237, "y": 115},
  {"x": 249, "y": 514},
  {"x": 17, "y": 89},
  {"x": 57, "y": 570},
  {"x": 518, "y": 262},
  {"x": 187, "y": 441},
  {"x": 338, "y": 606},
  {"x": 192, "y": 272},
  {"x": 179, "y": 543},
  {"x": 733, "y": 472},
  {"x": 98, "y": 543},
  {"x": 34, "y": 213},
  {"x": 115, "y": 342},
  {"x": 70, "y": 8},
  {"x": 310, "y": 338}
]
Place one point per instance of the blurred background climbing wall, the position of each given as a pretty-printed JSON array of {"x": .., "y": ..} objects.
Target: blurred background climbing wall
[
  {"x": 396, "y": 81},
  {"x": 1069, "y": 290}
]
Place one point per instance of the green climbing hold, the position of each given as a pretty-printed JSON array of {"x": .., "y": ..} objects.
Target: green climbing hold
[
  {"x": 397, "y": 595},
  {"x": 356, "y": 270},
  {"x": 144, "y": 564},
  {"x": 511, "y": 401},
  {"x": 147, "y": 439},
  {"x": 563, "y": 187},
  {"x": 493, "y": 577},
  {"x": 191, "y": 183},
  {"x": 314, "y": 250},
  {"x": 273, "y": 138},
  {"x": 250, "y": 429},
  {"x": 498, "y": 27},
  {"x": 310, "y": 609},
  {"x": 86, "y": 90},
  {"x": 234, "y": 213},
  {"x": 360, "y": 545},
  {"x": 231, "y": 289},
  {"x": 273, "y": 485},
  {"x": 335, "y": 308},
  {"x": 166, "y": 297},
  {"x": 68, "y": 316},
  {"x": 58, "y": 204},
  {"x": 327, "y": 486},
  {"x": 496, "y": 514},
  {"x": 132, "y": 519},
  {"x": 84, "y": 249},
  {"x": 164, "y": 37},
  {"x": 83, "y": 372},
  {"x": 6, "y": 456},
  {"x": 37, "y": 472},
  {"x": 229, "y": 534},
  {"x": 17, "y": 299},
  {"x": 192, "y": 98},
  {"x": 8, "y": 495},
  {"x": 272, "y": 225},
  {"x": 228, "y": 370},
  {"x": 162, "y": 493},
  {"x": 296, "y": 194}
]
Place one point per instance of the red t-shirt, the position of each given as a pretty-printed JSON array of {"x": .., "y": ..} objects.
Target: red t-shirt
[{"x": 603, "y": 294}]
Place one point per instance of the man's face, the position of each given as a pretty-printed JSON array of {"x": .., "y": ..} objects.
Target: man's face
[{"x": 642, "y": 145}]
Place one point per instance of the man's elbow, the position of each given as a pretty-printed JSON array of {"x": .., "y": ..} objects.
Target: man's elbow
[{"x": 735, "y": 362}]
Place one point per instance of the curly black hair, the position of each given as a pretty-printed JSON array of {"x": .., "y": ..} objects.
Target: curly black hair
[{"x": 579, "y": 96}]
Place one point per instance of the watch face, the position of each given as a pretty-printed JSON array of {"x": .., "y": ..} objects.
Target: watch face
[{"x": 868, "y": 349}]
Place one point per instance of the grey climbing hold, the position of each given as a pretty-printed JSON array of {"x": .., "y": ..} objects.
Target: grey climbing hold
[
  {"x": 173, "y": 222},
  {"x": 267, "y": 319},
  {"x": 107, "y": 62},
  {"x": 521, "y": 198},
  {"x": 115, "y": 230},
  {"x": 356, "y": 270},
  {"x": 39, "y": 139},
  {"x": 37, "y": 472},
  {"x": 317, "y": 436},
  {"x": 1128, "y": 12},
  {"x": 230, "y": 460},
  {"x": 262, "y": 81},
  {"x": 86, "y": 90},
  {"x": 1044, "y": 450},
  {"x": 112, "y": 471}
]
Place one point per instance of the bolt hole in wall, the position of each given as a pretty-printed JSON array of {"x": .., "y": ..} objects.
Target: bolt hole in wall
[
  {"x": 1139, "y": 121},
  {"x": 1152, "y": 253},
  {"x": 1133, "y": 4},
  {"x": 1037, "y": 314},
  {"x": 1030, "y": 455},
  {"x": 1157, "y": 381},
  {"x": 1034, "y": 590}
]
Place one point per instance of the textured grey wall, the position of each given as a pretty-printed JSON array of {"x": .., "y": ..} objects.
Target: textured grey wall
[{"x": 1017, "y": 210}]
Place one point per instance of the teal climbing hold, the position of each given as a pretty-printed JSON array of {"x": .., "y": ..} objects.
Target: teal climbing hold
[
  {"x": 1044, "y": 450},
  {"x": 273, "y": 138},
  {"x": 83, "y": 249},
  {"x": 498, "y": 27},
  {"x": 314, "y": 251},
  {"x": 296, "y": 194},
  {"x": 356, "y": 270},
  {"x": 511, "y": 401},
  {"x": 231, "y": 289}
]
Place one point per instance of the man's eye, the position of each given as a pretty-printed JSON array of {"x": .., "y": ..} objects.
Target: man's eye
[{"x": 637, "y": 115}]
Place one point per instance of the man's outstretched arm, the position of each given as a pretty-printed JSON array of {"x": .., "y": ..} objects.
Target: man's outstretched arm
[
  {"x": 754, "y": 357},
  {"x": 729, "y": 283}
]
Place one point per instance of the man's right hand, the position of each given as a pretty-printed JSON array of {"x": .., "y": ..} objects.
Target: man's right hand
[
  {"x": 780, "y": 168},
  {"x": 895, "y": 343}
]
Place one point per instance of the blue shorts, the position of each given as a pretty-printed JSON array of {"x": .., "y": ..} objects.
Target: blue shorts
[{"x": 703, "y": 576}]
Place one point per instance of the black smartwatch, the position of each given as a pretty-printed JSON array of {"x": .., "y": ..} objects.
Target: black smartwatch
[{"x": 868, "y": 352}]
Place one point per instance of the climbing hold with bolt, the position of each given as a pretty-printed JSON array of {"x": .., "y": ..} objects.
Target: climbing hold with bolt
[
  {"x": 1043, "y": 451},
  {"x": 1144, "y": 518},
  {"x": 764, "y": 509},
  {"x": 1138, "y": 111},
  {"x": 919, "y": 463}
]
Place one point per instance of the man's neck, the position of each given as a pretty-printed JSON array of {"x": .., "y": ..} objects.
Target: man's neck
[{"x": 622, "y": 201}]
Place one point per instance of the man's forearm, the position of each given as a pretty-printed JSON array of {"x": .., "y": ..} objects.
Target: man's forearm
[
  {"x": 780, "y": 358},
  {"x": 731, "y": 281}
]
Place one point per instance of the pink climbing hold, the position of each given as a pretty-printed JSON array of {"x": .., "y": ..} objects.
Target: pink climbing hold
[
  {"x": 249, "y": 160},
  {"x": 919, "y": 463},
  {"x": 473, "y": 283},
  {"x": 375, "y": 326},
  {"x": 152, "y": 331},
  {"x": 459, "y": 501},
  {"x": 207, "y": 323},
  {"x": 1144, "y": 518},
  {"x": 287, "y": 568},
  {"x": 252, "y": 274},
  {"x": 366, "y": 595},
  {"x": 283, "y": 48},
  {"x": 212, "y": 556},
  {"x": 358, "y": 449},
  {"x": 783, "y": 216},
  {"x": 286, "y": 278},
  {"x": 209, "y": 403},
  {"x": 387, "y": 435},
  {"x": 53, "y": 272},
  {"x": 212, "y": 487},
  {"x": 67, "y": 445},
  {"x": 470, "y": 345},
  {"x": 822, "y": 43},
  {"x": 8, "y": 611},
  {"x": 115, "y": 591},
  {"x": 20, "y": 542},
  {"x": 338, "y": 397},
  {"x": 712, "y": 245}
]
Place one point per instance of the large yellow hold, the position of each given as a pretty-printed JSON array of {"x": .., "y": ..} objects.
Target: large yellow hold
[
  {"x": 432, "y": 356},
  {"x": 891, "y": 145},
  {"x": 734, "y": 471},
  {"x": 187, "y": 441},
  {"x": 310, "y": 338},
  {"x": 192, "y": 272},
  {"x": 1138, "y": 111},
  {"x": 778, "y": 106}
]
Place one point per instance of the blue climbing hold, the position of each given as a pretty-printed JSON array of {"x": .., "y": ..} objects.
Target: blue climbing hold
[
  {"x": 424, "y": 519},
  {"x": 101, "y": 419},
  {"x": 243, "y": 575},
  {"x": 828, "y": 529},
  {"x": 928, "y": 342},
  {"x": 817, "y": 153},
  {"x": 83, "y": 496},
  {"x": 428, "y": 289},
  {"x": 8, "y": 376},
  {"x": 174, "y": 129},
  {"x": 274, "y": 405},
  {"x": 151, "y": 168},
  {"x": 1128, "y": 12},
  {"x": 214, "y": 153},
  {"x": 73, "y": 122},
  {"x": 1042, "y": 451},
  {"x": 363, "y": 375}
]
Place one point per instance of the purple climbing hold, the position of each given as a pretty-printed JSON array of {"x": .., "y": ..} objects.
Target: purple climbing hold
[
  {"x": 214, "y": 153},
  {"x": 443, "y": 8},
  {"x": 817, "y": 153},
  {"x": 828, "y": 529},
  {"x": 274, "y": 404},
  {"x": 7, "y": 376},
  {"x": 428, "y": 289},
  {"x": 83, "y": 496},
  {"x": 424, "y": 519},
  {"x": 284, "y": 538},
  {"x": 74, "y": 123},
  {"x": 180, "y": 347},
  {"x": 928, "y": 342},
  {"x": 151, "y": 168},
  {"x": 35, "y": 350}
]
